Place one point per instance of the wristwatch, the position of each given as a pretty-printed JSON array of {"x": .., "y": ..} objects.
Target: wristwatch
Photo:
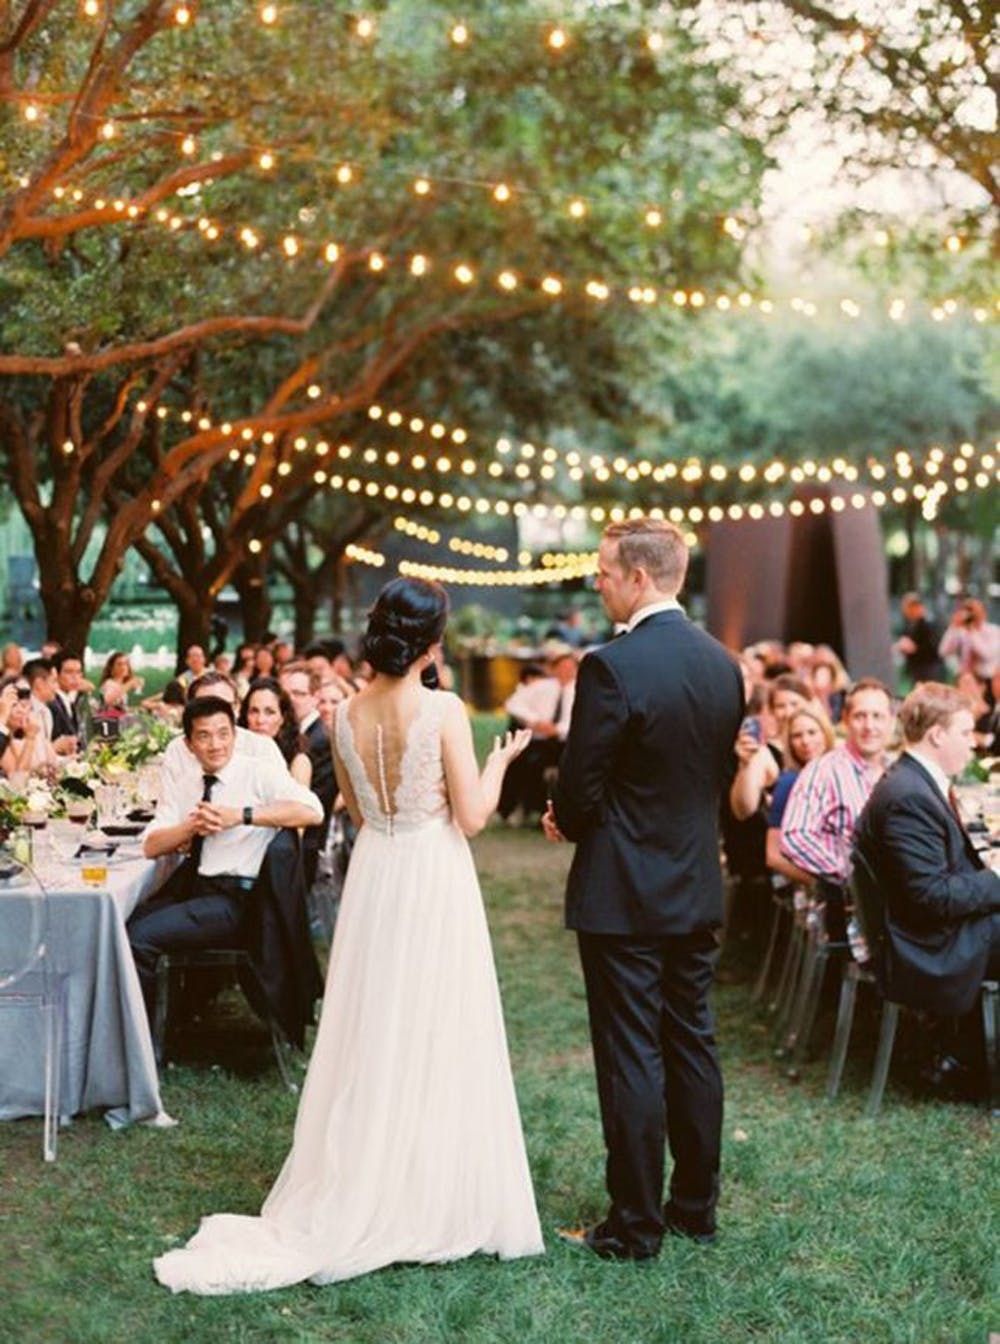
[{"x": 248, "y": 816}]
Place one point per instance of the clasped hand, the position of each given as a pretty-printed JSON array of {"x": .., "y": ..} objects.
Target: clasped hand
[{"x": 209, "y": 819}]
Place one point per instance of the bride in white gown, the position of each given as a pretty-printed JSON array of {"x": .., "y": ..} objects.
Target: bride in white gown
[{"x": 408, "y": 1142}]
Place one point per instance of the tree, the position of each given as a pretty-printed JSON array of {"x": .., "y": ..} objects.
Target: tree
[{"x": 168, "y": 237}]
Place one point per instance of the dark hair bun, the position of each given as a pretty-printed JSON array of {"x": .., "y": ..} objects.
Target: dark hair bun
[{"x": 407, "y": 618}]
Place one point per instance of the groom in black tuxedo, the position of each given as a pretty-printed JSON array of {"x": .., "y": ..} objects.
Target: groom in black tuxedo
[{"x": 649, "y": 752}]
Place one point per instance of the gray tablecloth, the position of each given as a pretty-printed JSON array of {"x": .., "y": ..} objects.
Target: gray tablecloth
[{"x": 107, "y": 1054}]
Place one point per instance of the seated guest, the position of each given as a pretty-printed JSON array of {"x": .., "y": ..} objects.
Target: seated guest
[
  {"x": 826, "y": 800},
  {"x": 263, "y": 662},
  {"x": 545, "y": 705},
  {"x": 942, "y": 902},
  {"x": 301, "y": 688},
  {"x": 118, "y": 682},
  {"x": 332, "y": 691},
  {"x": 69, "y": 702},
  {"x": 40, "y": 674},
  {"x": 11, "y": 661},
  {"x": 242, "y": 671},
  {"x": 760, "y": 753},
  {"x": 26, "y": 747},
  {"x": 195, "y": 663},
  {"x": 8, "y": 699},
  {"x": 223, "y": 820},
  {"x": 829, "y": 681},
  {"x": 268, "y": 710},
  {"x": 808, "y": 735},
  {"x": 179, "y": 766}
]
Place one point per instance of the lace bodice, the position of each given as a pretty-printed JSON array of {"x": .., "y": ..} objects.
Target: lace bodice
[{"x": 399, "y": 784}]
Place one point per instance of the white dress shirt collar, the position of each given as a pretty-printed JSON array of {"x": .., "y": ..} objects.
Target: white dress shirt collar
[
  {"x": 306, "y": 723},
  {"x": 934, "y": 770},
  {"x": 652, "y": 609}
]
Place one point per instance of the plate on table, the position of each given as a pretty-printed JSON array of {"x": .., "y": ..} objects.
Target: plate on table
[{"x": 12, "y": 875}]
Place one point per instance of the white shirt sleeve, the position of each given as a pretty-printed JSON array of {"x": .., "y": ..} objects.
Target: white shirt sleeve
[{"x": 273, "y": 783}]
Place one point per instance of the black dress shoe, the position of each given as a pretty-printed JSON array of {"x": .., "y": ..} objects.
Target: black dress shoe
[
  {"x": 677, "y": 1226},
  {"x": 602, "y": 1243}
]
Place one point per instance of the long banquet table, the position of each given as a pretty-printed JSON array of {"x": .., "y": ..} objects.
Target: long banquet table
[{"x": 107, "y": 1051}]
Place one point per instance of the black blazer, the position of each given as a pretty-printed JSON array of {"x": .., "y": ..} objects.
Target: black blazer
[
  {"x": 649, "y": 751},
  {"x": 286, "y": 979},
  {"x": 938, "y": 894},
  {"x": 64, "y": 722},
  {"x": 324, "y": 781}
]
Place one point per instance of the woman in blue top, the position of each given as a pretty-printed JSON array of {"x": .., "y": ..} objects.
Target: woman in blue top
[{"x": 808, "y": 733}]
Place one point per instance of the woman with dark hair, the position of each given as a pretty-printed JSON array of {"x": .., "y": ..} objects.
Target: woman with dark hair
[
  {"x": 268, "y": 710},
  {"x": 117, "y": 682},
  {"x": 408, "y": 1142}
]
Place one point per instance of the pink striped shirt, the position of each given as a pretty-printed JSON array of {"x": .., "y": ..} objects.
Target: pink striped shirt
[{"x": 823, "y": 808}]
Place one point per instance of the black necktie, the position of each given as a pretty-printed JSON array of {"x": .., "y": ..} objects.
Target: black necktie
[{"x": 198, "y": 843}]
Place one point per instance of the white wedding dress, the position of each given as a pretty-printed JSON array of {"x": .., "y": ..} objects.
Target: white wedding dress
[{"x": 408, "y": 1143}]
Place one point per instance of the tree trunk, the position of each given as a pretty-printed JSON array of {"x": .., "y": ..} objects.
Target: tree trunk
[
  {"x": 194, "y": 623},
  {"x": 306, "y": 600},
  {"x": 69, "y": 614},
  {"x": 250, "y": 581}
]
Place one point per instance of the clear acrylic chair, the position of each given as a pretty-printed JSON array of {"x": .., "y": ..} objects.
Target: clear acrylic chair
[{"x": 28, "y": 978}]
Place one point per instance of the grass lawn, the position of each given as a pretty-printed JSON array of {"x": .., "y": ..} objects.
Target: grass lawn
[{"x": 833, "y": 1228}]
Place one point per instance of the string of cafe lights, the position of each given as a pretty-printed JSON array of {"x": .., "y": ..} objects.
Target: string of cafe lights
[
  {"x": 528, "y": 465},
  {"x": 427, "y": 187},
  {"x": 557, "y": 38},
  {"x": 695, "y": 514},
  {"x": 556, "y": 568},
  {"x": 554, "y": 34},
  {"x": 467, "y": 275}
]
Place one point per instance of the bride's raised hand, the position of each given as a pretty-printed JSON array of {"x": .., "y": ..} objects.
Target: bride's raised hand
[{"x": 506, "y": 748}]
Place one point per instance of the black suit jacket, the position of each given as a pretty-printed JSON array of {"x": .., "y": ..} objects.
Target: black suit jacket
[
  {"x": 286, "y": 979},
  {"x": 324, "y": 781},
  {"x": 938, "y": 895},
  {"x": 649, "y": 751},
  {"x": 64, "y": 723}
]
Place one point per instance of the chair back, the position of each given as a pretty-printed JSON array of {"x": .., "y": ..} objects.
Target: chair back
[
  {"x": 24, "y": 924},
  {"x": 869, "y": 908}
]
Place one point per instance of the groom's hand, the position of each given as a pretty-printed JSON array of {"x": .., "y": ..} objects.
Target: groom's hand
[{"x": 552, "y": 831}]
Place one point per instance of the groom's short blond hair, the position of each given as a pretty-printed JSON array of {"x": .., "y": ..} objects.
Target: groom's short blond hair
[{"x": 653, "y": 545}]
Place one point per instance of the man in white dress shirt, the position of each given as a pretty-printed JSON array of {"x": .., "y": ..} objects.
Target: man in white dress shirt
[
  {"x": 180, "y": 767},
  {"x": 222, "y": 817},
  {"x": 40, "y": 675},
  {"x": 545, "y": 705}
]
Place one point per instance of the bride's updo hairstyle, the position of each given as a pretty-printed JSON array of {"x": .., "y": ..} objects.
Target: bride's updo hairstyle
[{"x": 409, "y": 616}]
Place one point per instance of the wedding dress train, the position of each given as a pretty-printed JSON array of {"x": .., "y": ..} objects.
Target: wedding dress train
[{"x": 408, "y": 1143}]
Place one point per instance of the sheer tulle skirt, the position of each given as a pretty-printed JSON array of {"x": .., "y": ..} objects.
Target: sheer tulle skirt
[{"x": 408, "y": 1143}]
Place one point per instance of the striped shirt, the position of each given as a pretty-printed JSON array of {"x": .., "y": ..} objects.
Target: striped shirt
[{"x": 823, "y": 808}]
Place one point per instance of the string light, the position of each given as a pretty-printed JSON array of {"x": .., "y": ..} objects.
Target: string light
[
  {"x": 459, "y": 34},
  {"x": 269, "y": 14}
]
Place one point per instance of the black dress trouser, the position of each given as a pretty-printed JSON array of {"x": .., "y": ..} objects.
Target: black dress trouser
[
  {"x": 185, "y": 914},
  {"x": 658, "y": 1078}
]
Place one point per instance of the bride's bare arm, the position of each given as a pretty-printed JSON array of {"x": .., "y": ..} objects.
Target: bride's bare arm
[
  {"x": 344, "y": 785},
  {"x": 474, "y": 796}
]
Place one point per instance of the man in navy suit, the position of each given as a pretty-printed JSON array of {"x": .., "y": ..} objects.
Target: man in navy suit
[
  {"x": 649, "y": 752},
  {"x": 942, "y": 899}
]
